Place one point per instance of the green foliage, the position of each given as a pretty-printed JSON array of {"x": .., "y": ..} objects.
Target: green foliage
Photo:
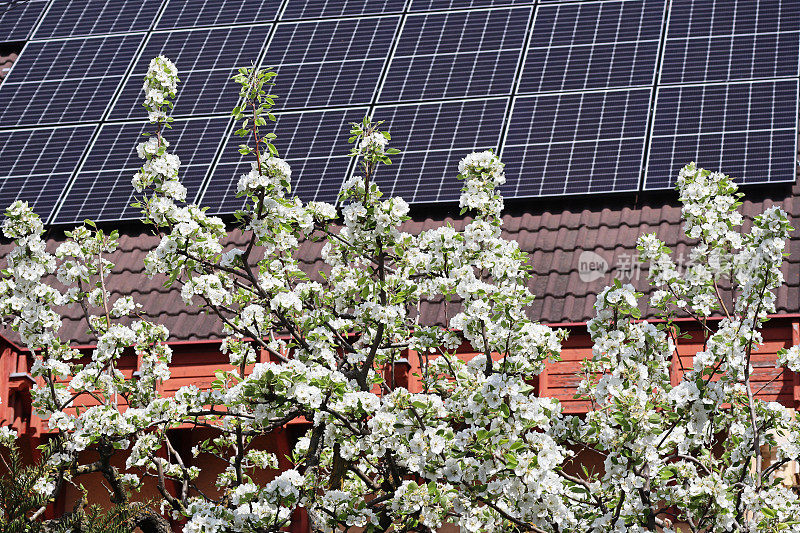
[{"x": 19, "y": 500}]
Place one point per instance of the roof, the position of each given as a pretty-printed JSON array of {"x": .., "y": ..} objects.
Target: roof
[
  {"x": 555, "y": 236},
  {"x": 5, "y": 64}
]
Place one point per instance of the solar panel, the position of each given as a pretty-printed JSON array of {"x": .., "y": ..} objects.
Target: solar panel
[
  {"x": 736, "y": 57},
  {"x": 456, "y": 54},
  {"x": 65, "y": 80},
  {"x": 302, "y": 9},
  {"x": 206, "y": 60},
  {"x": 577, "y": 96},
  {"x": 191, "y": 13},
  {"x": 748, "y": 41},
  {"x": 433, "y": 5},
  {"x": 329, "y": 63},
  {"x": 313, "y": 142},
  {"x": 36, "y": 164},
  {"x": 17, "y": 20},
  {"x": 697, "y": 18},
  {"x": 433, "y": 138},
  {"x": 576, "y": 143},
  {"x": 72, "y": 18},
  {"x": 102, "y": 188},
  {"x": 747, "y": 130},
  {"x": 593, "y": 45}
]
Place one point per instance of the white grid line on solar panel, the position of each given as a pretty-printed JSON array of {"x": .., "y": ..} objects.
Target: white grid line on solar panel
[
  {"x": 593, "y": 59},
  {"x": 441, "y": 5},
  {"x": 72, "y": 18},
  {"x": 727, "y": 87},
  {"x": 446, "y": 130},
  {"x": 309, "y": 133},
  {"x": 586, "y": 115},
  {"x": 703, "y": 19},
  {"x": 113, "y": 158},
  {"x": 334, "y": 62},
  {"x": 36, "y": 164},
  {"x": 57, "y": 59},
  {"x": 206, "y": 60},
  {"x": 194, "y": 13},
  {"x": 216, "y": 39},
  {"x": 302, "y": 9},
  {"x": 421, "y": 70},
  {"x": 772, "y": 55},
  {"x": 703, "y": 120},
  {"x": 23, "y": 155},
  {"x": 17, "y": 22},
  {"x": 42, "y": 91},
  {"x": 751, "y": 157}
]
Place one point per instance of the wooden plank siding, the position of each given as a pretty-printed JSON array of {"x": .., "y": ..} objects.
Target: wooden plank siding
[{"x": 196, "y": 364}]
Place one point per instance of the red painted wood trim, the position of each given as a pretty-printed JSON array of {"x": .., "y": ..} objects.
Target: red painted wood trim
[{"x": 796, "y": 375}]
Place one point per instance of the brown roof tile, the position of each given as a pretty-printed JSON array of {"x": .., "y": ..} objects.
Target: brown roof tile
[{"x": 608, "y": 227}]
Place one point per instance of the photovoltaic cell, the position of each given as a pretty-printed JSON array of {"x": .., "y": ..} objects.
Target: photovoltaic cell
[
  {"x": 65, "y": 80},
  {"x": 748, "y": 40},
  {"x": 747, "y": 130},
  {"x": 736, "y": 57},
  {"x": 72, "y": 18},
  {"x": 576, "y": 143},
  {"x": 17, "y": 20},
  {"x": 102, "y": 189},
  {"x": 36, "y": 164},
  {"x": 593, "y": 45},
  {"x": 206, "y": 61},
  {"x": 313, "y": 142},
  {"x": 456, "y": 54},
  {"x": 433, "y": 138},
  {"x": 433, "y": 5},
  {"x": 192, "y": 13},
  {"x": 697, "y": 18},
  {"x": 328, "y": 63},
  {"x": 301, "y": 9}
]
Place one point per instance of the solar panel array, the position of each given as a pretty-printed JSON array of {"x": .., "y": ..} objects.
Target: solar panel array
[{"x": 578, "y": 96}]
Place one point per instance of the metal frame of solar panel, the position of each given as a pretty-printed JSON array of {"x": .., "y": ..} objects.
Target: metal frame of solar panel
[{"x": 578, "y": 97}]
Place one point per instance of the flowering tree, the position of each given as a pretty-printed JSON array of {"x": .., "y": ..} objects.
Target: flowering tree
[{"x": 475, "y": 447}]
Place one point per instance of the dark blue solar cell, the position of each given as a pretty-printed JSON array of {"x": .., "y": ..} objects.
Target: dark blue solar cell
[
  {"x": 749, "y": 157},
  {"x": 102, "y": 189},
  {"x": 65, "y": 81},
  {"x": 466, "y": 31},
  {"x": 735, "y": 107},
  {"x": 17, "y": 20},
  {"x": 35, "y": 165},
  {"x": 600, "y": 66},
  {"x": 300, "y": 9},
  {"x": 432, "y": 5},
  {"x": 588, "y": 23},
  {"x": 697, "y": 18},
  {"x": 70, "y": 18},
  {"x": 313, "y": 142},
  {"x": 329, "y": 63},
  {"x": 747, "y": 130},
  {"x": 576, "y": 143},
  {"x": 730, "y": 58},
  {"x": 579, "y": 117},
  {"x": 433, "y": 138},
  {"x": 206, "y": 60},
  {"x": 456, "y": 54},
  {"x": 331, "y": 40},
  {"x": 55, "y": 102},
  {"x": 192, "y": 13},
  {"x": 75, "y": 58},
  {"x": 573, "y": 168}
]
